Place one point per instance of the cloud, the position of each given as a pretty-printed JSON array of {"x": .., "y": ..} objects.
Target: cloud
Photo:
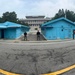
[
  {"x": 36, "y": 7},
  {"x": 49, "y": 8},
  {"x": 8, "y": 5}
]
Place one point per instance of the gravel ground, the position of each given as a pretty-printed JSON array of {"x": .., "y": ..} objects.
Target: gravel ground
[{"x": 35, "y": 59}]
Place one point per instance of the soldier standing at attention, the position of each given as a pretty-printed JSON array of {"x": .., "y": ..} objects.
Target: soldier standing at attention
[
  {"x": 25, "y": 36},
  {"x": 38, "y": 35}
]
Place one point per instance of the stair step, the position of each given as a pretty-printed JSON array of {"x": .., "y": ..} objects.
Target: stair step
[{"x": 32, "y": 37}]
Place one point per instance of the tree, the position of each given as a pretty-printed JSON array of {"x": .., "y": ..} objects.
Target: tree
[
  {"x": 1, "y": 20},
  {"x": 12, "y": 17},
  {"x": 60, "y": 13},
  {"x": 65, "y": 13},
  {"x": 9, "y": 16},
  {"x": 70, "y": 15}
]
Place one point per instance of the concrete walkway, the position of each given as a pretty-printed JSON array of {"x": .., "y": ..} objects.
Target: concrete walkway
[
  {"x": 41, "y": 41},
  {"x": 53, "y": 73},
  {"x": 35, "y": 58},
  {"x": 61, "y": 71}
]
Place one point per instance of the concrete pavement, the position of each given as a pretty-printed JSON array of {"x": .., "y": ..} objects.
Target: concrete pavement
[
  {"x": 37, "y": 57},
  {"x": 40, "y": 41}
]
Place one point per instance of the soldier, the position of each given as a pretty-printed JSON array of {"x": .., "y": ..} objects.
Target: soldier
[
  {"x": 25, "y": 36},
  {"x": 38, "y": 35}
]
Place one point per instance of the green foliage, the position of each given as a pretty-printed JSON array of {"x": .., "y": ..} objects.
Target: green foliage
[
  {"x": 9, "y": 16},
  {"x": 36, "y": 28},
  {"x": 12, "y": 17},
  {"x": 65, "y": 13},
  {"x": 61, "y": 13},
  {"x": 1, "y": 20},
  {"x": 70, "y": 15}
]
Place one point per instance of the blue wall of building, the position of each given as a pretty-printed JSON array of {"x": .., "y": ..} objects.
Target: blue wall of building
[
  {"x": 59, "y": 30},
  {"x": 18, "y": 32},
  {"x": 12, "y": 30},
  {"x": 13, "y": 33},
  {"x": 10, "y": 33}
]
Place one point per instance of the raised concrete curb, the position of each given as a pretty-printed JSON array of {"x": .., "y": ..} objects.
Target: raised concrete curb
[{"x": 46, "y": 41}]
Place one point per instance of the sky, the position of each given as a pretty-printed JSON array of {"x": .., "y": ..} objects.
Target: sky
[{"x": 24, "y": 8}]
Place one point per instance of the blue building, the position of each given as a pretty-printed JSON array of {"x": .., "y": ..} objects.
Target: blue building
[
  {"x": 10, "y": 30},
  {"x": 61, "y": 28}
]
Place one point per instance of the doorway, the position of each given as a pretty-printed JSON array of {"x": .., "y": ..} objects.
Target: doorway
[
  {"x": 2, "y": 33},
  {"x": 73, "y": 34}
]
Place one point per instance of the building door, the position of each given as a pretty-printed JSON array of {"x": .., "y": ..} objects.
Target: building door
[
  {"x": 73, "y": 34},
  {"x": 2, "y": 33}
]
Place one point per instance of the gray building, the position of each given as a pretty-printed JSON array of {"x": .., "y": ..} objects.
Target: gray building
[{"x": 35, "y": 21}]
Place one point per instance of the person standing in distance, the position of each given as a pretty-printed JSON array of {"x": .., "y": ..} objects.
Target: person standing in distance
[
  {"x": 38, "y": 35},
  {"x": 25, "y": 36}
]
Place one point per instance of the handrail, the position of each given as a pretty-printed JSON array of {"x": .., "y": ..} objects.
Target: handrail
[{"x": 43, "y": 36}]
